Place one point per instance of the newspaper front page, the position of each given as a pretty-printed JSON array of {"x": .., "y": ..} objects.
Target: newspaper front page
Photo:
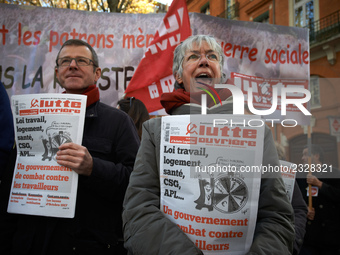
[
  {"x": 210, "y": 172},
  {"x": 42, "y": 123}
]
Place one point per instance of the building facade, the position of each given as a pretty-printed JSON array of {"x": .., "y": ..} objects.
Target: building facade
[{"x": 322, "y": 18}]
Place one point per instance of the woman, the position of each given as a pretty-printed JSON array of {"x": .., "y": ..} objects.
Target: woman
[{"x": 197, "y": 64}]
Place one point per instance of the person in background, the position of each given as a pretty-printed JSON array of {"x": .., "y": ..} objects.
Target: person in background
[
  {"x": 136, "y": 110},
  {"x": 7, "y": 129},
  {"x": 146, "y": 229},
  {"x": 323, "y": 221},
  {"x": 104, "y": 163},
  {"x": 299, "y": 207},
  {"x": 8, "y": 153}
]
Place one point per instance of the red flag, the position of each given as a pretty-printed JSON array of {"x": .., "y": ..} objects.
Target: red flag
[{"x": 153, "y": 75}]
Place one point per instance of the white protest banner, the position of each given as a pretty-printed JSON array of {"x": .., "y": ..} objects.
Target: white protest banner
[
  {"x": 42, "y": 123},
  {"x": 262, "y": 51},
  {"x": 30, "y": 38},
  {"x": 210, "y": 174},
  {"x": 277, "y": 99}
]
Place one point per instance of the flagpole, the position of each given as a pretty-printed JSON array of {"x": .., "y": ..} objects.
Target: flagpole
[{"x": 309, "y": 145}]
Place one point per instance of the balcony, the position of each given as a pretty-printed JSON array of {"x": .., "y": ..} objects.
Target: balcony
[
  {"x": 324, "y": 29},
  {"x": 230, "y": 13}
]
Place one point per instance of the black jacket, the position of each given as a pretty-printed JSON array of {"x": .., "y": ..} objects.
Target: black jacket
[{"x": 323, "y": 231}]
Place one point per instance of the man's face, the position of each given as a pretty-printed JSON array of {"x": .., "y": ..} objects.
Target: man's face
[
  {"x": 73, "y": 78},
  {"x": 314, "y": 157},
  {"x": 201, "y": 64}
]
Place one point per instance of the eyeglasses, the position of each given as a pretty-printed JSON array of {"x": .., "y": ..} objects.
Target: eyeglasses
[
  {"x": 80, "y": 61},
  {"x": 194, "y": 57}
]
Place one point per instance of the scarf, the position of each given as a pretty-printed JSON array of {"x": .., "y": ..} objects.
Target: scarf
[
  {"x": 179, "y": 97},
  {"x": 92, "y": 93}
]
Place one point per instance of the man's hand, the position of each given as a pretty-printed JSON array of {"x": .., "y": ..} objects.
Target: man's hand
[
  {"x": 312, "y": 180},
  {"x": 76, "y": 157},
  {"x": 311, "y": 213}
]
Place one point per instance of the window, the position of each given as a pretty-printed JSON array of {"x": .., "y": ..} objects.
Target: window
[
  {"x": 304, "y": 13},
  {"x": 263, "y": 18},
  {"x": 315, "y": 92},
  {"x": 230, "y": 9},
  {"x": 206, "y": 9}
]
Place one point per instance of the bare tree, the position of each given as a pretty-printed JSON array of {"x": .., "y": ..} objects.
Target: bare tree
[{"x": 130, "y": 6}]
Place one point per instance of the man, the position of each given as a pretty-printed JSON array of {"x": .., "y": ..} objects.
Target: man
[
  {"x": 8, "y": 154},
  {"x": 323, "y": 224},
  {"x": 104, "y": 162},
  {"x": 147, "y": 230}
]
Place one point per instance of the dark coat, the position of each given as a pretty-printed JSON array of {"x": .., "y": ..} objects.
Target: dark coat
[
  {"x": 300, "y": 213},
  {"x": 323, "y": 231},
  {"x": 7, "y": 129}
]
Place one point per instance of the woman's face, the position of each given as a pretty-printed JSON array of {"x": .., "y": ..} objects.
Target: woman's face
[{"x": 200, "y": 65}]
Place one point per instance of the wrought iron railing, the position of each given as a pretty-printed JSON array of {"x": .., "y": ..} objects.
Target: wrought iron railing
[
  {"x": 324, "y": 28},
  {"x": 230, "y": 13}
]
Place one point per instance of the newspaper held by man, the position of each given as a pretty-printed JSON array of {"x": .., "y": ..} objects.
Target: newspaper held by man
[{"x": 42, "y": 123}]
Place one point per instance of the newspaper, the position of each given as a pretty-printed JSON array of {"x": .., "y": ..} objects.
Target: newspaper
[
  {"x": 210, "y": 172},
  {"x": 288, "y": 176},
  {"x": 42, "y": 123}
]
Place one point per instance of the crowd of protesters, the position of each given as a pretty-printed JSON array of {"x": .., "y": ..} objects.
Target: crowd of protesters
[{"x": 118, "y": 196}]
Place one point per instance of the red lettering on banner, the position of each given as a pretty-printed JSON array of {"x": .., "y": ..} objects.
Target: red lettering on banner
[
  {"x": 230, "y": 50},
  {"x": 271, "y": 56},
  {"x": 3, "y": 31},
  {"x": 26, "y": 37},
  {"x": 130, "y": 41},
  {"x": 99, "y": 40},
  {"x": 286, "y": 56}
]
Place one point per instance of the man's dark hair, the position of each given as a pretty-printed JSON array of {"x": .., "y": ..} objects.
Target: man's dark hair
[
  {"x": 316, "y": 149},
  {"x": 78, "y": 42}
]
